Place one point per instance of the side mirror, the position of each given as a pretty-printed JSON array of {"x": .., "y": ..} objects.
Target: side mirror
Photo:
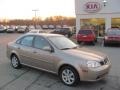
[{"x": 48, "y": 48}]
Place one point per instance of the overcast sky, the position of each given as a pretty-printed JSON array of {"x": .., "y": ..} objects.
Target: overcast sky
[{"x": 22, "y": 9}]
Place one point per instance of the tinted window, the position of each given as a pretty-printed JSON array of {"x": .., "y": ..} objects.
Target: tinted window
[
  {"x": 86, "y": 32},
  {"x": 40, "y": 43},
  {"x": 27, "y": 41}
]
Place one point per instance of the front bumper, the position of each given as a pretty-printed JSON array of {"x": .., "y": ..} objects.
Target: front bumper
[{"x": 95, "y": 74}]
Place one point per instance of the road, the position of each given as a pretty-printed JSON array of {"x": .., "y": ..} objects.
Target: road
[{"x": 32, "y": 79}]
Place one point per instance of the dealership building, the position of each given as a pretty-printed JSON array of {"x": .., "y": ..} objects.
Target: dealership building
[{"x": 98, "y": 15}]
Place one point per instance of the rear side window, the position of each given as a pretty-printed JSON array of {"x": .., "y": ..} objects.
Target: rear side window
[
  {"x": 27, "y": 41},
  {"x": 85, "y": 32}
]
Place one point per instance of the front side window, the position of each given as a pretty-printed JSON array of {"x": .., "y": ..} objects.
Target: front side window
[
  {"x": 27, "y": 41},
  {"x": 41, "y": 43}
]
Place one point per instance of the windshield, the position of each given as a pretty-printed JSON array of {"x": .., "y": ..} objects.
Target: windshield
[{"x": 62, "y": 42}]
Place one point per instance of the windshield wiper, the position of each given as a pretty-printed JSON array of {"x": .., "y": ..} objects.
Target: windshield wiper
[
  {"x": 69, "y": 48},
  {"x": 65, "y": 48},
  {"x": 74, "y": 47}
]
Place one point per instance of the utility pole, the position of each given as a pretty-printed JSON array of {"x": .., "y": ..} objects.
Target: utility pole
[{"x": 35, "y": 21}]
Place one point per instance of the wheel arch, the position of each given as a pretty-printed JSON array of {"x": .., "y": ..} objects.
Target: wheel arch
[
  {"x": 64, "y": 65},
  {"x": 14, "y": 53}
]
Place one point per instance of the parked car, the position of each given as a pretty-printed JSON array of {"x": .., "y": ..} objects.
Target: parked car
[
  {"x": 112, "y": 36},
  {"x": 86, "y": 36},
  {"x": 59, "y": 55},
  {"x": 51, "y": 26},
  {"x": 2, "y": 29},
  {"x": 10, "y": 29},
  {"x": 21, "y": 29},
  {"x": 37, "y": 31},
  {"x": 38, "y": 27},
  {"x": 64, "y": 31},
  {"x": 58, "y": 26},
  {"x": 31, "y": 27},
  {"x": 45, "y": 27}
]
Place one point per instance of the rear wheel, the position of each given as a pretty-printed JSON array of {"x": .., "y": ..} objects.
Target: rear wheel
[
  {"x": 15, "y": 62},
  {"x": 69, "y": 76},
  {"x": 93, "y": 42}
]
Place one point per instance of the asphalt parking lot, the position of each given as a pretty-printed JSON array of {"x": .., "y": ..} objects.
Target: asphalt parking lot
[{"x": 32, "y": 79}]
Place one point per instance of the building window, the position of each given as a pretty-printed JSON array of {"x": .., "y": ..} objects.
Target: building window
[{"x": 97, "y": 24}]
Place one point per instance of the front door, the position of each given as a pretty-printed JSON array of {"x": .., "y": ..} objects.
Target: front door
[{"x": 43, "y": 58}]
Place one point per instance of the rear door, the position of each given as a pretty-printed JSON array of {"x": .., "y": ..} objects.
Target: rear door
[{"x": 24, "y": 48}]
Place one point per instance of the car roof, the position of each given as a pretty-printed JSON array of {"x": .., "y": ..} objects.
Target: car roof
[{"x": 43, "y": 34}]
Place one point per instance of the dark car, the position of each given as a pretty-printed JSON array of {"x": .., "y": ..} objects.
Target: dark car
[
  {"x": 112, "y": 36},
  {"x": 64, "y": 31},
  {"x": 86, "y": 36}
]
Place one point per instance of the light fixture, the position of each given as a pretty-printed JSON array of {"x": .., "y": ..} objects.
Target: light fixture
[{"x": 104, "y": 2}]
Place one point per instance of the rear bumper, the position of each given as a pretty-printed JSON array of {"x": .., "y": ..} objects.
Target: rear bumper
[
  {"x": 86, "y": 40},
  {"x": 112, "y": 41}
]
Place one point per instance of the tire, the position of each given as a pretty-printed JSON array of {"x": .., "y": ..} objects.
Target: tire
[
  {"x": 15, "y": 62},
  {"x": 66, "y": 78},
  {"x": 93, "y": 43},
  {"x": 104, "y": 43},
  {"x": 79, "y": 42}
]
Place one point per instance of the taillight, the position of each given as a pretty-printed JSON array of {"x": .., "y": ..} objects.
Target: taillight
[{"x": 106, "y": 37}]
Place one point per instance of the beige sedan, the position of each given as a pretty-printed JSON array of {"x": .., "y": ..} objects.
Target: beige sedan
[{"x": 57, "y": 54}]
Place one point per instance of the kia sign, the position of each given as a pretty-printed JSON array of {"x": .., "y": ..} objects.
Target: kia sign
[{"x": 92, "y": 7}]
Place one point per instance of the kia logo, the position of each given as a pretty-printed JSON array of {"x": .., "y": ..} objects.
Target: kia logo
[{"x": 92, "y": 7}]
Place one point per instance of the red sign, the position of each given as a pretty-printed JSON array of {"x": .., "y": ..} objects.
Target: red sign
[{"x": 92, "y": 7}]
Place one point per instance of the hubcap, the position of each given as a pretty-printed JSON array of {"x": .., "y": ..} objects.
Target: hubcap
[
  {"x": 68, "y": 76},
  {"x": 14, "y": 61}
]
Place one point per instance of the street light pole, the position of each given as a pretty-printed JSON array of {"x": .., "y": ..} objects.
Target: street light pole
[{"x": 35, "y": 22}]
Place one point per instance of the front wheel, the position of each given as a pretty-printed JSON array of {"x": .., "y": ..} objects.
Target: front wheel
[
  {"x": 104, "y": 43},
  {"x": 69, "y": 76},
  {"x": 79, "y": 42},
  {"x": 15, "y": 62},
  {"x": 93, "y": 42}
]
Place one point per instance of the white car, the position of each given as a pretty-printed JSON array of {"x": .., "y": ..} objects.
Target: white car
[
  {"x": 10, "y": 29},
  {"x": 31, "y": 27},
  {"x": 37, "y": 31},
  {"x": 21, "y": 29}
]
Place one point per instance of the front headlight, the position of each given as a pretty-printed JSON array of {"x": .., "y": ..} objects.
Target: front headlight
[{"x": 93, "y": 64}]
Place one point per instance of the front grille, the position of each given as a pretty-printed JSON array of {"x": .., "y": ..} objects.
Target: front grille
[{"x": 104, "y": 62}]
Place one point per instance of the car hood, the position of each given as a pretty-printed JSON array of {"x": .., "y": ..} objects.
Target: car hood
[{"x": 85, "y": 54}]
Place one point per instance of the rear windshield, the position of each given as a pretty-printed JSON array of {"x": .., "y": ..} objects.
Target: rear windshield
[
  {"x": 86, "y": 32},
  {"x": 113, "y": 32}
]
